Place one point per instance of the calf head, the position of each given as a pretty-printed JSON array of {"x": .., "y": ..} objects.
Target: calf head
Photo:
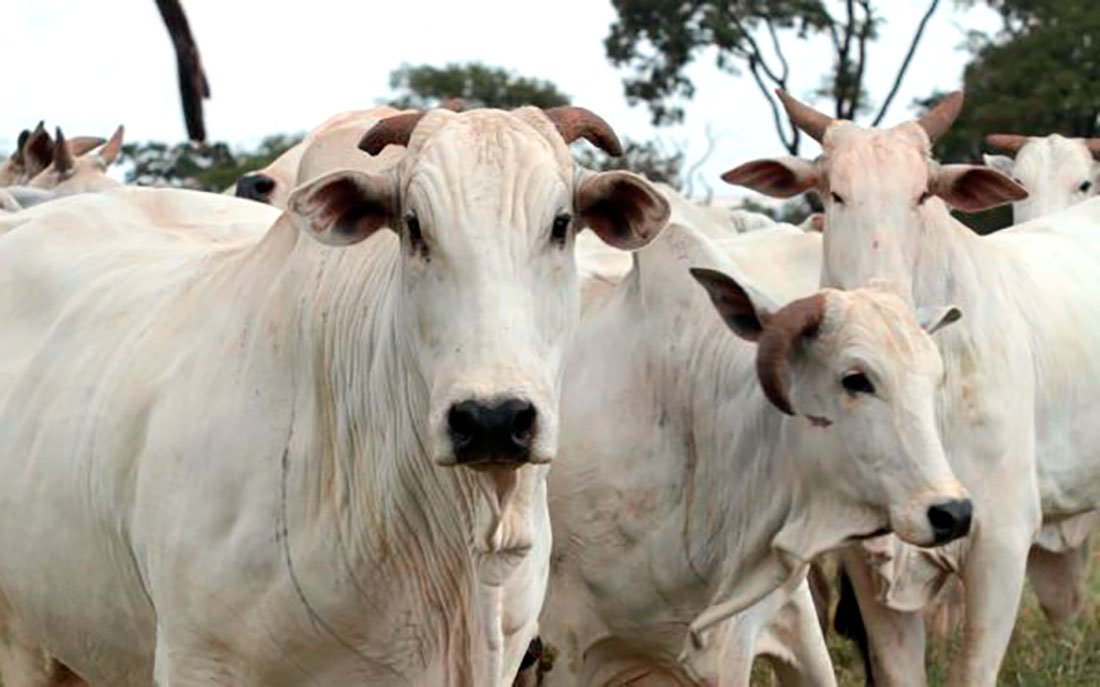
[
  {"x": 859, "y": 367},
  {"x": 486, "y": 204},
  {"x": 1056, "y": 171}
]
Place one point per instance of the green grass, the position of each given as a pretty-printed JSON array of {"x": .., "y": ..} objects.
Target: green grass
[{"x": 1039, "y": 655}]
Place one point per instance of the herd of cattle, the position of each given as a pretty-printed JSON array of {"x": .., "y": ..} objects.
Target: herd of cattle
[{"x": 269, "y": 443}]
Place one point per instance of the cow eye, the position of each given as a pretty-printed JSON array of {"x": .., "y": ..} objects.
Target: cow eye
[
  {"x": 857, "y": 383},
  {"x": 560, "y": 230},
  {"x": 837, "y": 198},
  {"x": 416, "y": 238},
  {"x": 924, "y": 197},
  {"x": 1085, "y": 186}
]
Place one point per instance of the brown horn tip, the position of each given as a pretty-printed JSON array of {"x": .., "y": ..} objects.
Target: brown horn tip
[
  {"x": 942, "y": 115},
  {"x": 62, "y": 154},
  {"x": 782, "y": 332},
  {"x": 813, "y": 122},
  {"x": 577, "y": 122},
  {"x": 1093, "y": 144},
  {"x": 395, "y": 130},
  {"x": 1006, "y": 143}
]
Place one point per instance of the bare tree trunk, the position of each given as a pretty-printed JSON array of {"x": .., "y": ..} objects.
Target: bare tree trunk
[{"x": 192, "y": 79}]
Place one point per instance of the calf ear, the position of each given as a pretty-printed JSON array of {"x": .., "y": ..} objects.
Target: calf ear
[
  {"x": 1002, "y": 163},
  {"x": 114, "y": 146},
  {"x": 732, "y": 302},
  {"x": 934, "y": 318},
  {"x": 781, "y": 177},
  {"x": 972, "y": 188},
  {"x": 624, "y": 210},
  {"x": 345, "y": 207}
]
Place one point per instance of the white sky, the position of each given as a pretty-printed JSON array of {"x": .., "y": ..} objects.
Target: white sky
[{"x": 283, "y": 66}]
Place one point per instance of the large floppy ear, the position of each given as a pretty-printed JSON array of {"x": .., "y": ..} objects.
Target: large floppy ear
[
  {"x": 345, "y": 207},
  {"x": 934, "y": 318},
  {"x": 1002, "y": 163},
  {"x": 624, "y": 209},
  {"x": 732, "y": 302},
  {"x": 781, "y": 177},
  {"x": 972, "y": 188}
]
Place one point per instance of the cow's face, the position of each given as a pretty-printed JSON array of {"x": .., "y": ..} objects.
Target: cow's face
[
  {"x": 1056, "y": 171},
  {"x": 486, "y": 204},
  {"x": 860, "y": 368},
  {"x": 881, "y": 190}
]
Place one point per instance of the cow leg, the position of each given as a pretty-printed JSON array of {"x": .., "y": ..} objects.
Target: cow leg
[
  {"x": 993, "y": 580},
  {"x": 794, "y": 645},
  {"x": 895, "y": 638},
  {"x": 1060, "y": 581}
]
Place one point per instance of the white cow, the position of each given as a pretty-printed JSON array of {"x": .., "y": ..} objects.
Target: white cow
[
  {"x": 329, "y": 149},
  {"x": 292, "y": 460},
  {"x": 1018, "y": 414},
  {"x": 34, "y": 152},
  {"x": 76, "y": 170},
  {"x": 1056, "y": 171},
  {"x": 683, "y": 495}
]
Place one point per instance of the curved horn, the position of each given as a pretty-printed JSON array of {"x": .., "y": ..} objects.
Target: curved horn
[
  {"x": 782, "y": 331},
  {"x": 939, "y": 119},
  {"x": 577, "y": 122},
  {"x": 62, "y": 154},
  {"x": 394, "y": 130},
  {"x": 808, "y": 119},
  {"x": 1093, "y": 144},
  {"x": 1006, "y": 143}
]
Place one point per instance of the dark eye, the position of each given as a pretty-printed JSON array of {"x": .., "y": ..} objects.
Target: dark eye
[
  {"x": 1085, "y": 186},
  {"x": 837, "y": 198},
  {"x": 924, "y": 197},
  {"x": 857, "y": 383},
  {"x": 416, "y": 239},
  {"x": 560, "y": 230}
]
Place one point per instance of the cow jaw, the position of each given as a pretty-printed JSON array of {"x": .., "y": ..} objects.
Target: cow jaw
[{"x": 504, "y": 512}]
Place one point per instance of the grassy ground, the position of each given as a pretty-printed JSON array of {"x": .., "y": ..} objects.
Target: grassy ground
[{"x": 1039, "y": 656}]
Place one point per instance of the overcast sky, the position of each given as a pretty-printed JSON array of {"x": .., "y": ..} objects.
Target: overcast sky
[{"x": 286, "y": 66}]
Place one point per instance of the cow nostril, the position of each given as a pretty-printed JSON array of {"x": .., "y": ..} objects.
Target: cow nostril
[
  {"x": 950, "y": 520},
  {"x": 255, "y": 187},
  {"x": 462, "y": 420},
  {"x": 265, "y": 186},
  {"x": 523, "y": 425}
]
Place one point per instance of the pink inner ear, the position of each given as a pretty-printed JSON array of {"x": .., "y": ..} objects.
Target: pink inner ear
[
  {"x": 770, "y": 177},
  {"x": 622, "y": 210},
  {"x": 979, "y": 189}
]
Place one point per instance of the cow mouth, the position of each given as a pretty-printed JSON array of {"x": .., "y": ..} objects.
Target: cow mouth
[{"x": 870, "y": 535}]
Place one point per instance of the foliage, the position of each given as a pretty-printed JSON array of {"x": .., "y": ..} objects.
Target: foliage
[
  {"x": 1036, "y": 76},
  {"x": 646, "y": 158},
  {"x": 659, "y": 39},
  {"x": 478, "y": 85},
  {"x": 210, "y": 167}
]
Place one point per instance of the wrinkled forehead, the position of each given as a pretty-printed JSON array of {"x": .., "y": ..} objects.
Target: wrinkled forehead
[
  {"x": 877, "y": 323},
  {"x": 483, "y": 149},
  {"x": 860, "y": 157}
]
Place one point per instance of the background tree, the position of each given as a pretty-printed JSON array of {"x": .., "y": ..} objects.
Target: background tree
[
  {"x": 210, "y": 167},
  {"x": 426, "y": 86},
  {"x": 1035, "y": 76},
  {"x": 659, "y": 39}
]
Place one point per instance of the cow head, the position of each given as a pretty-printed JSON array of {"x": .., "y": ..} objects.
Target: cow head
[
  {"x": 1056, "y": 171},
  {"x": 880, "y": 187},
  {"x": 76, "y": 167},
  {"x": 486, "y": 205},
  {"x": 860, "y": 367}
]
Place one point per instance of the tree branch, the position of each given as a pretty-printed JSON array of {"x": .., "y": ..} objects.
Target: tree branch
[
  {"x": 905, "y": 62},
  {"x": 839, "y": 83},
  {"x": 865, "y": 30},
  {"x": 193, "y": 85},
  {"x": 792, "y": 144},
  {"x": 779, "y": 52}
]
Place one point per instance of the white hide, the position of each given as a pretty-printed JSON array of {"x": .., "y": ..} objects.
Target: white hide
[
  {"x": 1056, "y": 171},
  {"x": 220, "y": 457}
]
